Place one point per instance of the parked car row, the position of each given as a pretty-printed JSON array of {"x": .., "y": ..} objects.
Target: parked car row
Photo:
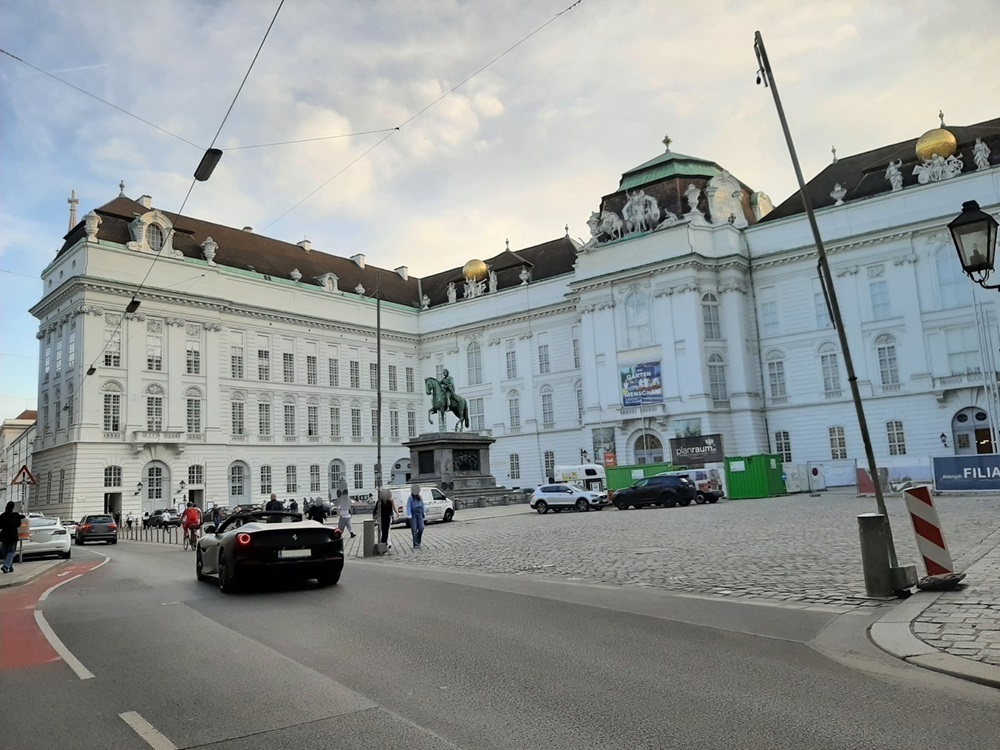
[
  {"x": 557, "y": 497},
  {"x": 666, "y": 489}
]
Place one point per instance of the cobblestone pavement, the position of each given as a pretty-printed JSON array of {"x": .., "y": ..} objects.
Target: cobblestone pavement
[{"x": 797, "y": 550}]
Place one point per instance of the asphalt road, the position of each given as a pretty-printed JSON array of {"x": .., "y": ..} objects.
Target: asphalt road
[{"x": 423, "y": 658}]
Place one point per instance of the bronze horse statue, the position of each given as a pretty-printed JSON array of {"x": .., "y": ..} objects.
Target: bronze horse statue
[{"x": 441, "y": 406}]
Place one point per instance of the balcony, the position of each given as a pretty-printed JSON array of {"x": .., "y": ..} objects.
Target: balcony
[
  {"x": 290, "y": 438},
  {"x": 196, "y": 437}
]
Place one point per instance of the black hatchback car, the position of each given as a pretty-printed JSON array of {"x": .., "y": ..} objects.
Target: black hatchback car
[
  {"x": 97, "y": 528},
  {"x": 667, "y": 491}
]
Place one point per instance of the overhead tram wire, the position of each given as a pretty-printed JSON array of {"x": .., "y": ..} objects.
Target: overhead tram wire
[
  {"x": 413, "y": 117},
  {"x": 133, "y": 304},
  {"x": 311, "y": 140}
]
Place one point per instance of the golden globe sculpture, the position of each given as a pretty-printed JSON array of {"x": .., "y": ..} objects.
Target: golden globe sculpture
[
  {"x": 937, "y": 141},
  {"x": 475, "y": 270}
]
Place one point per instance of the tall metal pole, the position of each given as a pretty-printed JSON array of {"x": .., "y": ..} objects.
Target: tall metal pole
[
  {"x": 378, "y": 379},
  {"x": 826, "y": 279}
]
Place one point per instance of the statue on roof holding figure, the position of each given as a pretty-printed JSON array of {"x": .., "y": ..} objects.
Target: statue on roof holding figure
[
  {"x": 937, "y": 168},
  {"x": 641, "y": 212}
]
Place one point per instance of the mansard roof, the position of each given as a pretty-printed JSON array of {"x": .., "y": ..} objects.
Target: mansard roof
[
  {"x": 669, "y": 164},
  {"x": 863, "y": 175}
]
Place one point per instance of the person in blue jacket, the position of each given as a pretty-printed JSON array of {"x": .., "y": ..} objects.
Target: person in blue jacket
[{"x": 415, "y": 510}]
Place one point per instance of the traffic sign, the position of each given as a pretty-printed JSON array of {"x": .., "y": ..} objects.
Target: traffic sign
[{"x": 24, "y": 476}]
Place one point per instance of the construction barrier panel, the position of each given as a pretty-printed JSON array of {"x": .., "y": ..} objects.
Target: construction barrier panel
[{"x": 928, "y": 531}]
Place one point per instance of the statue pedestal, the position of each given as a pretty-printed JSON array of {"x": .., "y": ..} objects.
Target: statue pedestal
[{"x": 456, "y": 462}]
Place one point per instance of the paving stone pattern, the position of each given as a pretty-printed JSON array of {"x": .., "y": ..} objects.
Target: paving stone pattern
[{"x": 796, "y": 549}]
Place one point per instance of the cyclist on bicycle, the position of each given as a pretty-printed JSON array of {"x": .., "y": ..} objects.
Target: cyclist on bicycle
[{"x": 191, "y": 521}]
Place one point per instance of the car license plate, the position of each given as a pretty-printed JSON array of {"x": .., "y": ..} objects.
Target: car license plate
[{"x": 286, "y": 553}]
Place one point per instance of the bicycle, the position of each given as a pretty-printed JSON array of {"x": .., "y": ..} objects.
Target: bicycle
[{"x": 191, "y": 538}]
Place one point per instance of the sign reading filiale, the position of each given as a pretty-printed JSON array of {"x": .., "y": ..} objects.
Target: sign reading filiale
[{"x": 967, "y": 473}]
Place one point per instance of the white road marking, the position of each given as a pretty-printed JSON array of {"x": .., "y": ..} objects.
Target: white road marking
[
  {"x": 60, "y": 648},
  {"x": 147, "y": 731},
  {"x": 50, "y": 589}
]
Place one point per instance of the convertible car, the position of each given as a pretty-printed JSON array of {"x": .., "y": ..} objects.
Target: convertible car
[{"x": 261, "y": 544}]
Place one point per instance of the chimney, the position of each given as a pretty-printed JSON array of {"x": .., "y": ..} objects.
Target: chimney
[
  {"x": 359, "y": 259},
  {"x": 305, "y": 245},
  {"x": 248, "y": 229},
  {"x": 146, "y": 201},
  {"x": 404, "y": 272}
]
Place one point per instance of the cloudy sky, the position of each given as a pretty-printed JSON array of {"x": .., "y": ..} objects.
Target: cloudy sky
[{"x": 523, "y": 148}]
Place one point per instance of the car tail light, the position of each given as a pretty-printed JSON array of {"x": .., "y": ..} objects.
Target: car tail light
[
  {"x": 112, "y": 527},
  {"x": 85, "y": 527},
  {"x": 337, "y": 533},
  {"x": 243, "y": 539}
]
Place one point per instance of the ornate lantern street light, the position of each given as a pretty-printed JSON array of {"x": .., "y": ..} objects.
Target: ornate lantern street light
[{"x": 974, "y": 233}]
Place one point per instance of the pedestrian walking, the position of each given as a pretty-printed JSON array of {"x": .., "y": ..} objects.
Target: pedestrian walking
[
  {"x": 216, "y": 515},
  {"x": 10, "y": 522},
  {"x": 415, "y": 510},
  {"x": 384, "y": 512},
  {"x": 344, "y": 514},
  {"x": 293, "y": 506},
  {"x": 128, "y": 520},
  {"x": 316, "y": 513},
  {"x": 274, "y": 503}
]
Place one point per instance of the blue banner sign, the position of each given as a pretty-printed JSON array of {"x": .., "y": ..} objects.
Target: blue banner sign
[
  {"x": 641, "y": 384},
  {"x": 979, "y": 473}
]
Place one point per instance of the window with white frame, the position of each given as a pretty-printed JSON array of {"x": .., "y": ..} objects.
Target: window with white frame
[
  {"x": 236, "y": 362},
  {"x": 544, "y": 365},
  {"x": 897, "y": 441},
  {"x": 112, "y": 412},
  {"x": 411, "y": 423},
  {"x": 113, "y": 347},
  {"x": 355, "y": 368},
  {"x": 239, "y": 417},
  {"x": 112, "y": 476},
  {"x": 192, "y": 358},
  {"x": 783, "y": 445},
  {"x": 335, "y": 421},
  {"x": 394, "y": 424},
  {"x": 312, "y": 372},
  {"x": 355, "y": 422},
  {"x": 637, "y": 323},
  {"x": 314, "y": 478},
  {"x": 196, "y": 474},
  {"x": 263, "y": 365},
  {"x": 439, "y": 371},
  {"x": 548, "y": 412},
  {"x": 154, "y": 413},
  {"x": 373, "y": 375},
  {"x": 885, "y": 350},
  {"x": 769, "y": 321},
  {"x": 477, "y": 415},
  {"x": 511, "y": 360},
  {"x": 48, "y": 487},
  {"x": 71, "y": 346},
  {"x": 48, "y": 358},
  {"x": 717, "y": 378},
  {"x": 46, "y": 425},
  {"x": 576, "y": 354},
  {"x": 879, "y": 291},
  {"x": 410, "y": 384},
  {"x": 550, "y": 464},
  {"x": 776, "y": 374},
  {"x": 62, "y": 486},
  {"x": 822, "y": 311},
  {"x": 291, "y": 479},
  {"x": 59, "y": 353},
  {"x": 265, "y": 480},
  {"x": 393, "y": 376},
  {"x": 70, "y": 412},
  {"x": 579, "y": 403},
  {"x": 312, "y": 421},
  {"x": 154, "y": 237},
  {"x": 359, "y": 476},
  {"x": 263, "y": 418},
  {"x": 830, "y": 365},
  {"x": 838, "y": 443},
  {"x": 375, "y": 423},
  {"x": 515, "y": 466},
  {"x": 710, "y": 317},
  {"x": 289, "y": 420},
  {"x": 194, "y": 414},
  {"x": 514, "y": 410},
  {"x": 288, "y": 363},
  {"x": 154, "y": 483},
  {"x": 962, "y": 347},
  {"x": 58, "y": 409},
  {"x": 952, "y": 283},
  {"x": 336, "y": 474},
  {"x": 474, "y": 359},
  {"x": 333, "y": 367},
  {"x": 237, "y": 480},
  {"x": 154, "y": 347}
]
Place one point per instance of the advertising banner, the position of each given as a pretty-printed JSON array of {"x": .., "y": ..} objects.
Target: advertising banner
[
  {"x": 697, "y": 450},
  {"x": 979, "y": 473},
  {"x": 641, "y": 384}
]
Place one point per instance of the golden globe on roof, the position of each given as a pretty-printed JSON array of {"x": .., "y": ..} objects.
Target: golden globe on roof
[
  {"x": 938, "y": 141},
  {"x": 475, "y": 270}
]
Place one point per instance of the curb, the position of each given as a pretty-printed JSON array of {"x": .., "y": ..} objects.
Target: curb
[
  {"x": 31, "y": 575},
  {"x": 892, "y": 634}
]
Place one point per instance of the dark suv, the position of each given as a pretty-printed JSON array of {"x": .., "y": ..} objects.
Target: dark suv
[
  {"x": 98, "y": 528},
  {"x": 667, "y": 491}
]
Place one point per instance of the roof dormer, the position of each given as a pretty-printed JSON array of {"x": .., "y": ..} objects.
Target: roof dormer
[{"x": 153, "y": 233}]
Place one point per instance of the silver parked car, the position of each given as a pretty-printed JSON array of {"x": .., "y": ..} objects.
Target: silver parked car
[
  {"x": 559, "y": 496},
  {"x": 48, "y": 537}
]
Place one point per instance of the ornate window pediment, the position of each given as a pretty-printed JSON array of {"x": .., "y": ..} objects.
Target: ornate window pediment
[
  {"x": 154, "y": 389},
  {"x": 329, "y": 282},
  {"x": 152, "y": 232}
]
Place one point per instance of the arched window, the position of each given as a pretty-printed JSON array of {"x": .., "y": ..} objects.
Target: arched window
[
  {"x": 238, "y": 490},
  {"x": 154, "y": 237},
  {"x": 193, "y": 402},
  {"x": 514, "y": 410},
  {"x": 717, "y": 378},
  {"x": 637, "y": 325},
  {"x": 710, "y": 316},
  {"x": 885, "y": 350},
  {"x": 474, "y": 357},
  {"x": 830, "y": 364},
  {"x": 154, "y": 407},
  {"x": 112, "y": 392},
  {"x": 548, "y": 409},
  {"x": 776, "y": 374},
  {"x": 648, "y": 449},
  {"x": 337, "y": 474},
  {"x": 238, "y": 411}
]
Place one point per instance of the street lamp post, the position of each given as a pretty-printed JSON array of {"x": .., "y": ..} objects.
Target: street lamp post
[{"x": 974, "y": 233}]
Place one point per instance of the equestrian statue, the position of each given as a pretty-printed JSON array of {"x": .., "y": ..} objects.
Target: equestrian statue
[{"x": 444, "y": 400}]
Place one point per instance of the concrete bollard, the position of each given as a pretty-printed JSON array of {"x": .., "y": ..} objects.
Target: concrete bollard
[
  {"x": 368, "y": 538},
  {"x": 875, "y": 554}
]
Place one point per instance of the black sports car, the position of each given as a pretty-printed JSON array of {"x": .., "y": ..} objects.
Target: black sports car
[{"x": 252, "y": 546}]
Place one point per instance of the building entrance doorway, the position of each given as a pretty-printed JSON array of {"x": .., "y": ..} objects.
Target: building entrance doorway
[
  {"x": 972, "y": 432},
  {"x": 648, "y": 449}
]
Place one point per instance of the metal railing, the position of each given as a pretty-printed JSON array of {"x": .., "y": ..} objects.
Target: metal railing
[{"x": 162, "y": 535}]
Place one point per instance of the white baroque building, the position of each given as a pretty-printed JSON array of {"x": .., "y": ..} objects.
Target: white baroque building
[{"x": 249, "y": 364}]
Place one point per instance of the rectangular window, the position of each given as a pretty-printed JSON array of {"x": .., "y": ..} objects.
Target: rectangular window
[
  {"x": 410, "y": 386},
  {"x": 543, "y": 359},
  {"x": 717, "y": 382},
  {"x": 514, "y": 410},
  {"x": 822, "y": 311},
  {"x": 112, "y": 476},
  {"x": 58, "y": 414},
  {"x": 62, "y": 485},
  {"x": 71, "y": 347},
  {"x": 265, "y": 480},
  {"x": 511, "y": 364},
  {"x": 48, "y": 357},
  {"x": 194, "y": 415},
  {"x": 576, "y": 354},
  {"x": 196, "y": 474},
  {"x": 289, "y": 366},
  {"x": 411, "y": 423},
  {"x": 263, "y": 419},
  {"x": 769, "y": 318},
  {"x": 838, "y": 443},
  {"x": 312, "y": 373},
  {"x": 375, "y": 422},
  {"x": 314, "y": 482},
  {"x": 394, "y": 424},
  {"x": 335, "y": 421},
  {"x": 897, "y": 441},
  {"x": 113, "y": 350},
  {"x": 263, "y": 365},
  {"x": 112, "y": 412},
  {"x": 154, "y": 413},
  {"x": 359, "y": 476},
  {"x": 880, "y": 299},
  {"x": 831, "y": 372},
  {"x": 474, "y": 360},
  {"x": 962, "y": 346},
  {"x": 393, "y": 378},
  {"x": 154, "y": 352},
  {"x": 710, "y": 314},
  {"x": 550, "y": 464},
  {"x": 192, "y": 357},
  {"x": 783, "y": 446},
  {"x": 515, "y": 466},
  {"x": 373, "y": 375},
  {"x": 236, "y": 362},
  {"x": 238, "y": 410},
  {"x": 333, "y": 366},
  {"x": 579, "y": 405},
  {"x": 355, "y": 368},
  {"x": 291, "y": 479},
  {"x": 289, "y": 420},
  {"x": 776, "y": 378},
  {"x": 548, "y": 414},
  {"x": 70, "y": 416},
  {"x": 59, "y": 355},
  {"x": 888, "y": 370},
  {"x": 312, "y": 417},
  {"x": 355, "y": 423},
  {"x": 477, "y": 418}
]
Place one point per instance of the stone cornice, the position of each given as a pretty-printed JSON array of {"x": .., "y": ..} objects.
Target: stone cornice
[
  {"x": 510, "y": 322},
  {"x": 694, "y": 261}
]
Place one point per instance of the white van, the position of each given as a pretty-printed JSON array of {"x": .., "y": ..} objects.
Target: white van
[
  {"x": 587, "y": 476},
  {"x": 707, "y": 482},
  {"x": 437, "y": 505}
]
